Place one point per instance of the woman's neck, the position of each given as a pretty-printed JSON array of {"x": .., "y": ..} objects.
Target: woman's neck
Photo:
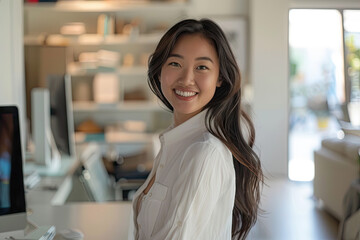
[{"x": 180, "y": 118}]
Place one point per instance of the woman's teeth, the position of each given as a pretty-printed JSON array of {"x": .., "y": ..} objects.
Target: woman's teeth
[{"x": 185, "y": 94}]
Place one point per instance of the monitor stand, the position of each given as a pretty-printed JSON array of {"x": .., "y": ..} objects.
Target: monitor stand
[{"x": 46, "y": 153}]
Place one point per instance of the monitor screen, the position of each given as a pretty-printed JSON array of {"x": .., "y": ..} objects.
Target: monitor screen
[
  {"x": 12, "y": 196},
  {"x": 61, "y": 117}
]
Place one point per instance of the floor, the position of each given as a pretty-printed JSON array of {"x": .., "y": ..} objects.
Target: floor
[{"x": 291, "y": 212}]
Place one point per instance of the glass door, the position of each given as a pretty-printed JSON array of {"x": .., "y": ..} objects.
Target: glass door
[
  {"x": 316, "y": 84},
  {"x": 352, "y": 57}
]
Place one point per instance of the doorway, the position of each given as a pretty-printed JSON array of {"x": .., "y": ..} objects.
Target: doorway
[{"x": 316, "y": 85}]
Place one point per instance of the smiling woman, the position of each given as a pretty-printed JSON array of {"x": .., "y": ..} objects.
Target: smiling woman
[
  {"x": 189, "y": 80},
  {"x": 205, "y": 181}
]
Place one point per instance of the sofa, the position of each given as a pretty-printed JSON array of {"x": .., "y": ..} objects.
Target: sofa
[{"x": 336, "y": 168}]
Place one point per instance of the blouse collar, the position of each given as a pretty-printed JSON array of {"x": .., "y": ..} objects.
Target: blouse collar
[{"x": 194, "y": 125}]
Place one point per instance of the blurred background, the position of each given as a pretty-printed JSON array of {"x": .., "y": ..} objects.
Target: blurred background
[{"x": 300, "y": 65}]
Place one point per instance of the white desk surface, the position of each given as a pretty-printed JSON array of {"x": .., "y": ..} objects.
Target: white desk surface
[
  {"x": 54, "y": 187},
  {"x": 97, "y": 221}
]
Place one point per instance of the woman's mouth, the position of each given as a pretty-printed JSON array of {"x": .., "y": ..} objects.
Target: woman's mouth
[{"x": 185, "y": 93}]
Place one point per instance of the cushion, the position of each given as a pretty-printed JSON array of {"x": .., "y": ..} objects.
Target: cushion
[{"x": 349, "y": 147}]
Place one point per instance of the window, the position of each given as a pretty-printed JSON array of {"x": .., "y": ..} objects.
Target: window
[
  {"x": 316, "y": 84},
  {"x": 352, "y": 51}
]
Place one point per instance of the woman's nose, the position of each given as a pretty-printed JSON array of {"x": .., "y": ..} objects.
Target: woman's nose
[{"x": 187, "y": 77}]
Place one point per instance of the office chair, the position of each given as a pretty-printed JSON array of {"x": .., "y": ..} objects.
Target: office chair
[{"x": 98, "y": 184}]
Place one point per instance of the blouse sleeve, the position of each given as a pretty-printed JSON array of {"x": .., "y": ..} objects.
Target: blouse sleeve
[{"x": 203, "y": 195}]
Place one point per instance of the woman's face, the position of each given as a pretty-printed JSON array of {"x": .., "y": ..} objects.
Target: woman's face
[{"x": 190, "y": 75}]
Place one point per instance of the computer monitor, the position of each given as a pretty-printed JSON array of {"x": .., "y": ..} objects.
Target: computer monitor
[
  {"x": 12, "y": 196},
  {"x": 61, "y": 113}
]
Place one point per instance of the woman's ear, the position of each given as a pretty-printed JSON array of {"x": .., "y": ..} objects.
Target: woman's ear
[{"x": 219, "y": 82}]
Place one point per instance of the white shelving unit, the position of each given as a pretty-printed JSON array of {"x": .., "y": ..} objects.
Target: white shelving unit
[
  {"x": 110, "y": 6},
  {"x": 88, "y": 40},
  {"x": 42, "y": 23},
  {"x": 130, "y": 106},
  {"x": 75, "y": 69}
]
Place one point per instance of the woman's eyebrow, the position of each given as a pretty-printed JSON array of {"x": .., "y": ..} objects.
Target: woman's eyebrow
[
  {"x": 175, "y": 55},
  {"x": 199, "y": 58},
  {"x": 205, "y": 58}
]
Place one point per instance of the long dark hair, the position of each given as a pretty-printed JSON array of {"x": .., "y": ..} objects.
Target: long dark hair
[{"x": 225, "y": 117}]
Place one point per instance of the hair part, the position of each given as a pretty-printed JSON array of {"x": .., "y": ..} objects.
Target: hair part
[{"x": 225, "y": 116}]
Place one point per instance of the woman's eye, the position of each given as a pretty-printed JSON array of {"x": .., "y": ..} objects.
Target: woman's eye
[
  {"x": 174, "y": 64},
  {"x": 202, "y": 67}
]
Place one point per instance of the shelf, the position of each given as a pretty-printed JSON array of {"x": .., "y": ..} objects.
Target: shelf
[
  {"x": 134, "y": 71},
  {"x": 91, "y": 40},
  {"x": 116, "y": 137},
  {"x": 76, "y": 69},
  {"x": 109, "y": 6},
  {"x": 137, "y": 106},
  {"x": 134, "y": 48}
]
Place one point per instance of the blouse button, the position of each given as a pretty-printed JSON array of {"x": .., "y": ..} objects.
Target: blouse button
[
  {"x": 150, "y": 194},
  {"x": 179, "y": 223},
  {"x": 161, "y": 165}
]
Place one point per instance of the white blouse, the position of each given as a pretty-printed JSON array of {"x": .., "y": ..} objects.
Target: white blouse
[{"x": 194, "y": 190}]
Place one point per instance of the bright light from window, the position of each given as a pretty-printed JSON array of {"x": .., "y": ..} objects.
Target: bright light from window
[
  {"x": 351, "y": 21},
  {"x": 316, "y": 84},
  {"x": 301, "y": 170},
  {"x": 314, "y": 28}
]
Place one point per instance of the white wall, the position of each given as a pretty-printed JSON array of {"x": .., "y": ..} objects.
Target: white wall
[
  {"x": 355, "y": 4},
  {"x": 268, "y": 73},
  {"x": 206, "y": 8},
  {"x": 6, "y": 92},
  {"x": 12, "y": 91}
]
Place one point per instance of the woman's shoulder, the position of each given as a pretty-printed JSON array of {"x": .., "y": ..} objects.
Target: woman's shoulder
[
  {"x": 208, "y": 147},
  {"x": 208, "y": 155},
  {"x": 210, "y": 141}
]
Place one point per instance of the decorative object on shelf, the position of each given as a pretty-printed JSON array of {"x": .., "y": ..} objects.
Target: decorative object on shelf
[
  {"x": 137, "y": 94},
  {"x": 135, "y": 126},
  {"x": 127, "y": 126},
  {"x": 108, "y": 58},
  {"x": 101, "y": 58},
  {"x": 129, "y": 60},
  {"x": 90, "y": 39},
  {"x": 105, "y": 25},
  {"x": 57, "y": 40},
  {"x": 106, "y": 88},
  {"x": 73, "y": 29},
  {"x": 88, "y": 60},
  {"x": 132, "y": 29},
  {"x": 89, "y": 126}
]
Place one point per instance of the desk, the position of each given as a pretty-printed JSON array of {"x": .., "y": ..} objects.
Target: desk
[
  {"x": 54, "y": 186},
  {"x": 96, "y": 220}
]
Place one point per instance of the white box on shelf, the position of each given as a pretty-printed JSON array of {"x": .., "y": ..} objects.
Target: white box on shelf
[{"x": 106, "y": 88}]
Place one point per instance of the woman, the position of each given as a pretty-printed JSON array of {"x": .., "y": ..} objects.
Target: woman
[{"x": 205, "y": 182}]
